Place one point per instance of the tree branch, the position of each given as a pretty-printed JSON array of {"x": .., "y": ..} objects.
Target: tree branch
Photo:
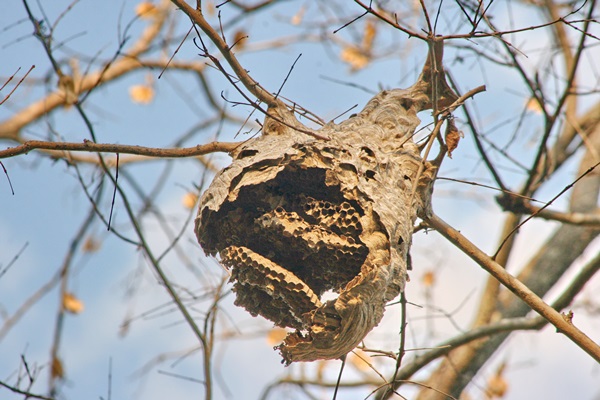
[
  {"x": 58, "y": 149},
  {"x": 505, "y": 326},
  {"x": 514, "y": 285},
  {"x": 28, "y": 395},
  {"x": 253, "y": 87}
]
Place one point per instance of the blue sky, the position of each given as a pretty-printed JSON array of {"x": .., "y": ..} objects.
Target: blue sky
[{"x": 116, "y": 282}]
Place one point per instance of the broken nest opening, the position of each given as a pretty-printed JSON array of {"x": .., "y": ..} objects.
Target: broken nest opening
[{"x": 288, "y": 241}]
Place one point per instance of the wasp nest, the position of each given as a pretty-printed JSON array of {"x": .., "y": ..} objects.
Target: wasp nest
[{"x": 295, "y": 216}]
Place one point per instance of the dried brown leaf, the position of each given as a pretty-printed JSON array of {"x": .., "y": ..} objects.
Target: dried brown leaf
[
  {"x": 299, "y": 16},
  {"x": 142, "y": 94},
  {"x": 276, "y": 336},
  {"x": 497, "y": 386},
  {"x": 56, "y": 369},
  {"x": 358, "y": 359},
  {"x": 72, "y": 304},
  {"x": 452, "y": 137},
  {"x": 189, "y": 200},
  {"x": 146, "y": 10},
  {"x": 209, "y": 8},
  {"x": 429, "y": 278},
  {"x": 91, "y": 245},
  {"x": 533, "y": 105},
  {"x": 240, "y": 39},
  {"x": 369, "y": 36},
  {"x": 355, "y": 57}
]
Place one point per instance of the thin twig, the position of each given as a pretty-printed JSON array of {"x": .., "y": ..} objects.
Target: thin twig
[
  {"x": 12, "y": 190},
  {"x": 339, "y": 378},
  {"x": 502, "y": 326},
  {"x": 17, "y": 85},
  {"x": 401, "y": 350},
  {"x": 14, "y": 259},
  {"x": 566, "y": 188},
  {"x": 251, "y": 85},
  {"x": 112, "y": 203},
  {"x": 27, "y": 395},
  {"x": 288, "y": 75}
]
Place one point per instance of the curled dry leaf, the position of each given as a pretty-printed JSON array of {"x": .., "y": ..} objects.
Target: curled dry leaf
[
  {"x": 359, "y": 56},
  {"x": 72, "y": 304},
  {"x": 297, "y": 18},
  {"x": 209, "y": 8},
  {"x": 189, "y": 200},
  {"x": 142, "y": 94},
  {"x": 369, "y": 36},
  {"x": 453, "y": 136},
  {"x": 429, "y": 278},
  {"x": 497, "y": 386},
  {"x": 56, "y": 369},
  {"x": 240, "y": 38},
  {"x": 294, "y": 217},
  {"x": 146, "y": 10},
  {"x": 355, "y": 57},
  {"x": 533, "y": 105},
  {"x": 276, "y": 335},
  {"x": 91, "y": 245},
  {"x": 359, "y": 360}
]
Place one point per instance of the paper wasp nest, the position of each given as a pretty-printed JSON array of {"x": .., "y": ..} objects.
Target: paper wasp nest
[{"x": 295, "y": 216}]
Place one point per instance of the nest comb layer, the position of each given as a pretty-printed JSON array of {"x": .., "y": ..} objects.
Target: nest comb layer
[{"x": 294, "y": 217}]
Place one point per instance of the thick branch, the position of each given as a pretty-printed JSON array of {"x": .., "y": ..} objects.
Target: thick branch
[
  {"x": 501, "y": 328},
  {"x": 515, "y": 286}
]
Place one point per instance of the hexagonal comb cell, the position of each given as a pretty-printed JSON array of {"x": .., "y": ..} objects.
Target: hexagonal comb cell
[{"x": 265, "y": 288}]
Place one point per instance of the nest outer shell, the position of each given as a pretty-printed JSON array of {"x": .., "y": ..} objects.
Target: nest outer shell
[{"x": 370, "y": 160}]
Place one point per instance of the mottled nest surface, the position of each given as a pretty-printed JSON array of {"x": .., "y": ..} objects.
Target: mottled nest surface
[{"x": 295, "y": 216}]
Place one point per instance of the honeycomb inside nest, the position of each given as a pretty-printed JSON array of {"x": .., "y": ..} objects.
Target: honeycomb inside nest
[{"x": 287, "y": 241}]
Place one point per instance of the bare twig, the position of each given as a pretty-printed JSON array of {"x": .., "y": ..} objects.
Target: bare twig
[
  {"x": 11, "y": 127},
  {"x": 12, "y": 190},
  {"x": 17, "y": 85},
  {"x": 387, "y": 20},
  {"x": 251, "y": 85},
  {"x": 14, "y": 259},
  {"x": 401, "y": 351},
  {"x": 565, "y": 189},
  {"x": 27, "y": 394}
]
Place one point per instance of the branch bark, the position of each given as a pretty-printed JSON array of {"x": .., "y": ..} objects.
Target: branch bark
[
  {"x": 253, "y": 87},
  {"x": 58, "y": 149},
  {"x": 517, "y": 287},
  {"x": 539, "y": 276}
]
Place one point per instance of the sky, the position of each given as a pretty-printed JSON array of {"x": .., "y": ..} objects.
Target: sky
[{"x": 115, "y": 283}]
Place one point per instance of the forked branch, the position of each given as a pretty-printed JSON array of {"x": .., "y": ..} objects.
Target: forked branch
[{"x": 197, "y": 17}]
